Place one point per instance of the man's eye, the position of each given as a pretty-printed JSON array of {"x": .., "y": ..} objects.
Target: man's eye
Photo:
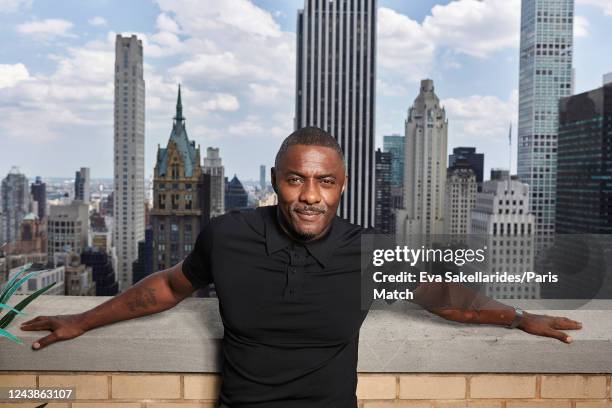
[
  {"x": 293, "y": 180},
  {"x": 328, "y": 181}
]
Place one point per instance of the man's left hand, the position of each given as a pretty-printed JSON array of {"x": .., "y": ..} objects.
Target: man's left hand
[{"x": 549, "y": 326}]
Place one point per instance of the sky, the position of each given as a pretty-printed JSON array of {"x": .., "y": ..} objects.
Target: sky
[{"x": 235, "y": 61}]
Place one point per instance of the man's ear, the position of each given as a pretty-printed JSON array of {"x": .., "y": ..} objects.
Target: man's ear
[
  {"x": 273, "y": 179},
  {"x": 345, "y": 183}
]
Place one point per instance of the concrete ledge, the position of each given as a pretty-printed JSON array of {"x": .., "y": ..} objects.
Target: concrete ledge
[{"x": 186, "y": 339}]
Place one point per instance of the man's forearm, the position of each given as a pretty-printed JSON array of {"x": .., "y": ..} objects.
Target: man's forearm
[
  {"x": 151, "y": 295},
  {"x": 461, "y": 304}
]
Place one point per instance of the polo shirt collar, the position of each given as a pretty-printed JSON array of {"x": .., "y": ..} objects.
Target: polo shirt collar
[{"x": 277, "y": 239}]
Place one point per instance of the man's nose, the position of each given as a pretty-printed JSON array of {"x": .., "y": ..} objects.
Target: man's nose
[{"x": 310, "y": 192}]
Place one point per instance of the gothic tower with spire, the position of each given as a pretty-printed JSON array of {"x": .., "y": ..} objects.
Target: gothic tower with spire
[{"x": 181, "y": 193}]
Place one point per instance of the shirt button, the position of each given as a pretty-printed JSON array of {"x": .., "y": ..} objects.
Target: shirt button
[{"x": 291, "y": 291}]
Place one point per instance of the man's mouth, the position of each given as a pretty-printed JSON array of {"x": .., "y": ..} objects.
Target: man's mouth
[{"x": 309, "y": 215}]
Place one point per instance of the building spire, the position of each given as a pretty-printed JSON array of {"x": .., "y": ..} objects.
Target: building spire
[{"x": 179, "y": 106}]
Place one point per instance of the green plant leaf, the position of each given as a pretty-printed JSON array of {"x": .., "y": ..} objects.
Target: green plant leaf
[
  {"x": 11, "y": 315},
  {"x": 17, "y": 285},
  {"x": 10, "y": 336},
  {"x": 7, "y": 287},
  {"x": 3, "y": 306}
]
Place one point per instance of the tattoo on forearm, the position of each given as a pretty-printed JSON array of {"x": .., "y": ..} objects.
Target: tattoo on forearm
[{"x": 142, "y": 299}]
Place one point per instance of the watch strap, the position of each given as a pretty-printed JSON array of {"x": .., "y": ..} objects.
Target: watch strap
[{"x": 518, "y": 317}]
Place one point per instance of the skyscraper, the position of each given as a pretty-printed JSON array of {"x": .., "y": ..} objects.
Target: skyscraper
[
  {"x": 214, "y": 167},
  {"x": 583, "y": 216},
  {"x": 68, "y": 228},
  {"x": 501, "y": 216},
  {"x": 583, "y": 194},
  {"x": 335, "y": 90},
  {"x": 424, "y": 166},
  {"x": 129, "y": 155},
  {"x": 16, "y": 202},
  {"x": 384, "y": 216},
  {"x": 143, "y": 266},
  {"x": 236, "y": 196},
  {"x": 546, "y": 75},
  {"x": 179, "y": 210},
  {"x": 475, "y": 160},
  {"x": 82, "y": 185},
  {"x": 38, "y": 189},
  {"x": 102, "y": 270},
  {"x": 460, "y": 198},
  {"x": 394, "y": 144},
  {"x": 262, "y": 177}
]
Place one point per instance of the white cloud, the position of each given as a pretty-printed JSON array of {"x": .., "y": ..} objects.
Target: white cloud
[
  {"x": 261, "y": 94},
  {"x": 393, "y": 89},
  {"x": 605, "y": 5},
  {"x": 222, "y": 102},
  {"x": 483, "y": 121},
  {"x": 10, "y": 75},
  {"x": 474, "y": 27},
  {"x": 403, "y": 45},
  {"x": 12, "y": 6},
  {"x": 215, "y": 66},
  {"x": 77, "y": 94},
  {"x": 482, "y": 117},
  {"x": 46, "y": 29},
  {"x": 581, "y": 26},
  {"x": 254, "y": 126},
  {"x": 166, "y": 23},
  {"x": 409, "y": 51},
  {"x": 241, "y": 15},
  {"x": 97, "y": 21}
]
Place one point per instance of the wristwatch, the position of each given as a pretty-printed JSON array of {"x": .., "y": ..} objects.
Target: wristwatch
[{"x": 518, "y": 317}]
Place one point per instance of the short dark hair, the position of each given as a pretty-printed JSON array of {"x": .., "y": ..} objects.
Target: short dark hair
[{"x": 312, "y": 136}]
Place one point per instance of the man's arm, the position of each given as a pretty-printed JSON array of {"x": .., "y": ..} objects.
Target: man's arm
[
  {"x": 155, "y": 293},
  {"x": 459, "y": 303}
]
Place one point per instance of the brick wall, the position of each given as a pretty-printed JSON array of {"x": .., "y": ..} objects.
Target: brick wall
[{"x": 141, "y": 390}]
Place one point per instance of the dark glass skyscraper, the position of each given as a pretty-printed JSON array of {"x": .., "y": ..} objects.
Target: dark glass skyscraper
[
  {"x": 335, "y": 89},
  {"x": 236, "y": 196},
  {"x": 38, "y": 189},
  {"x": 469, "y": 155},
  {"x": 81, "y": 185},
  {"x": 385, "y": 221},
  {"x": 394, "y": 144},
  {"x": 583, "y": 214},
  {"x": 584, "y": 177}
]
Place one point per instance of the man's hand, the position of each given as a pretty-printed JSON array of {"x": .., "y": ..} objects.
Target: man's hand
[
  {"x": 153, "y": 294},
  {"x": 63, "y": 327},
  {"x": 548, "y": 326}
]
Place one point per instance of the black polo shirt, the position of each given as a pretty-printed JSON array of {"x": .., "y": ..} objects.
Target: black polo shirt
[{"x": 291, "y": 312}]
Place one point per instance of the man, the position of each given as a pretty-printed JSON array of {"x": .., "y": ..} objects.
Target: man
[{"x": 288, "y": 281}]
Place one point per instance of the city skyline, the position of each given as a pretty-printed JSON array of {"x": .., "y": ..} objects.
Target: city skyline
[{"x": 53, "y": 52}]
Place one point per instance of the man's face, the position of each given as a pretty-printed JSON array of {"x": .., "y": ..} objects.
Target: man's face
[{"x": 309, "y": 182}]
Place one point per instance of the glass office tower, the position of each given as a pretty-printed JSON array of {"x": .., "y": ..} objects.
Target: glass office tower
[{"x": 546, "y": 75}]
